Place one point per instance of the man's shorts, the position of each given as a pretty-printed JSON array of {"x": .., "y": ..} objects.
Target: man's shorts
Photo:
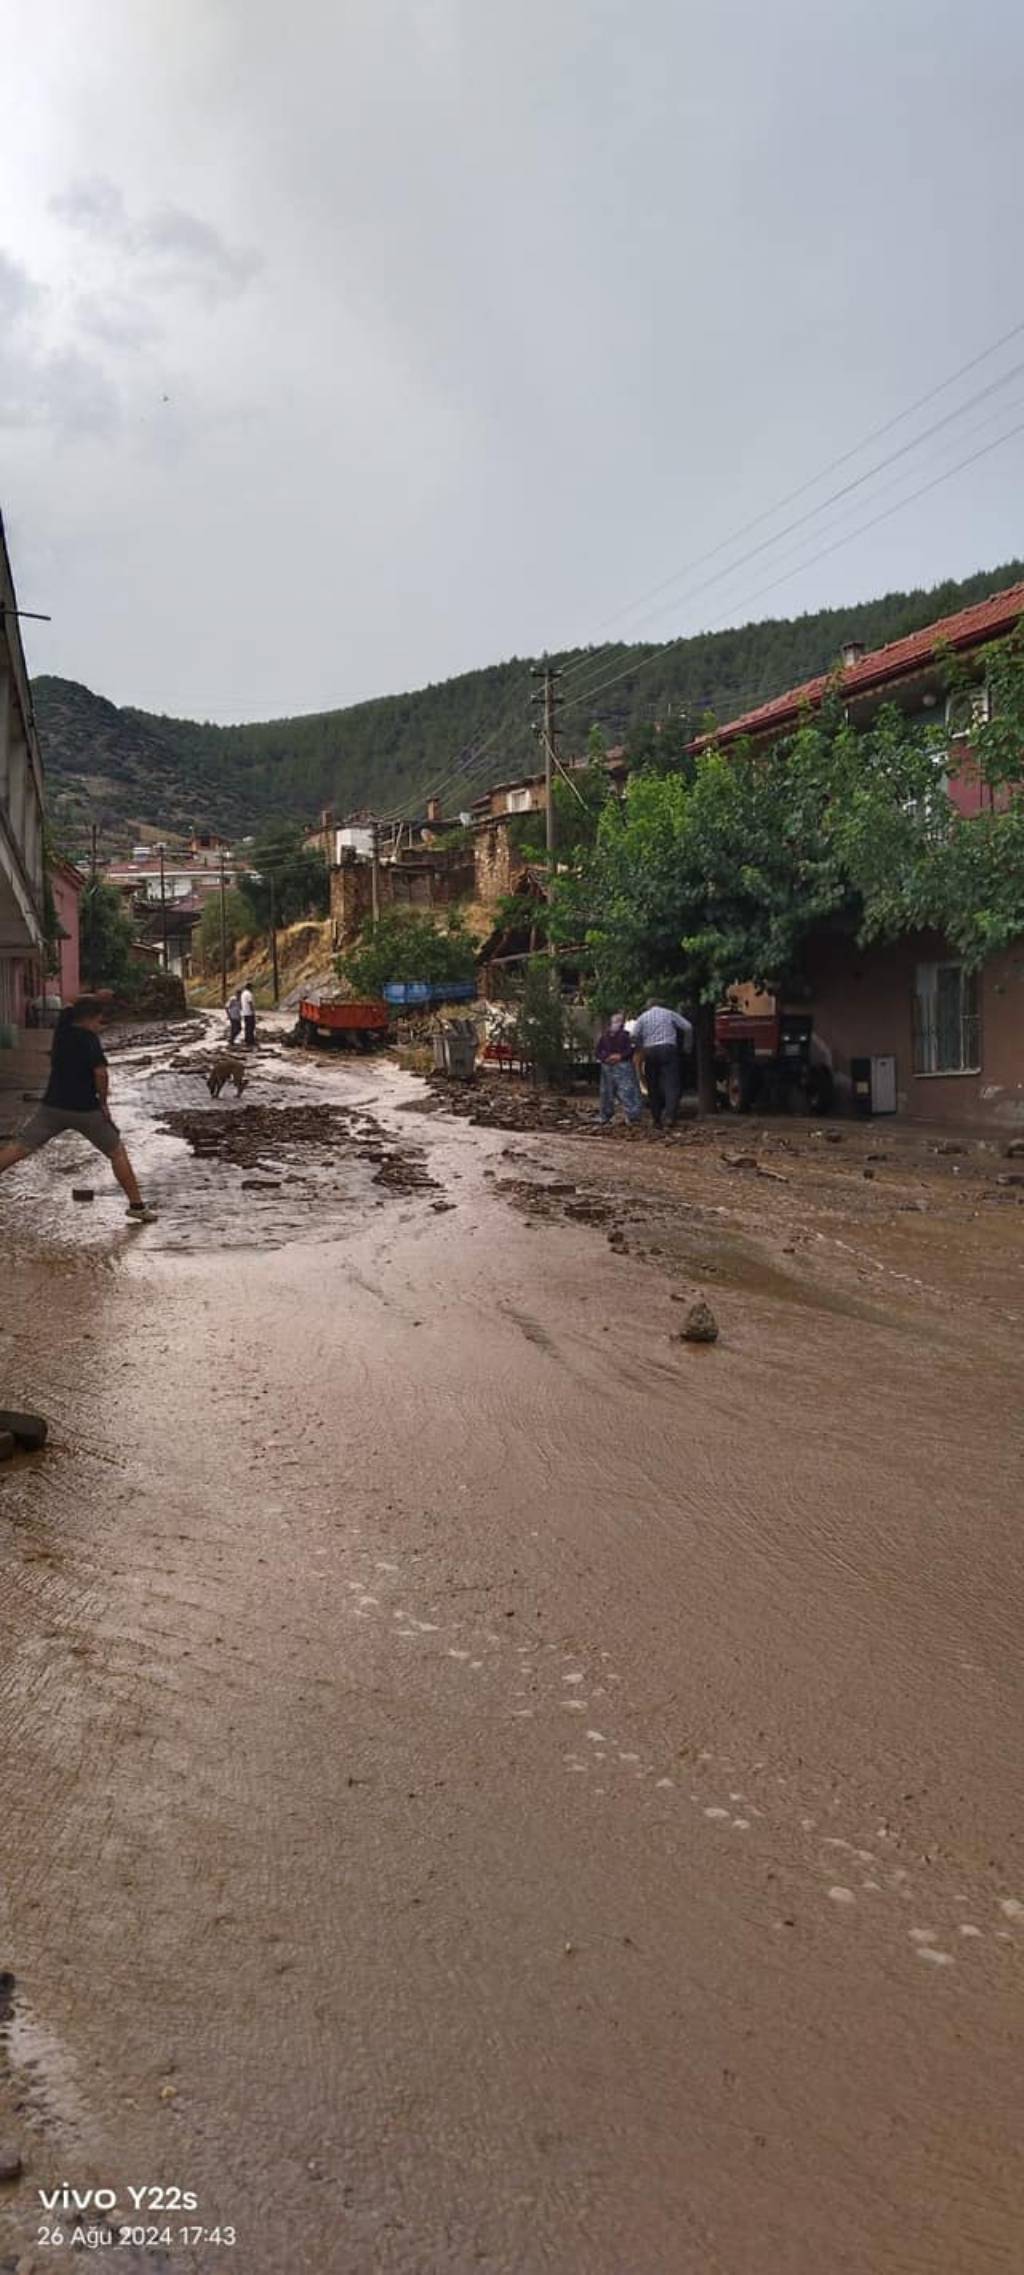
[{"x": 51, "y": 1121}]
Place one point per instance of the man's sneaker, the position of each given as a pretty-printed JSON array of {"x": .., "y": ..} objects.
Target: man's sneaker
[{"x": 139, "y": 1212}]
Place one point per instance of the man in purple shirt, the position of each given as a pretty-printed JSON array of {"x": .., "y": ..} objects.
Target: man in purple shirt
[{"x": 614, "y": 1056}]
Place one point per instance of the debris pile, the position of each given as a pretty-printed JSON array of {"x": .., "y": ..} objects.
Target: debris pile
[{"x": 261, "y": 1137}]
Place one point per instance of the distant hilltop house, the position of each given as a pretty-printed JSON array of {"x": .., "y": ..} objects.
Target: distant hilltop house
[
  {"x": 22, "y": 890},
  {"x": 955, "y": 1039}
]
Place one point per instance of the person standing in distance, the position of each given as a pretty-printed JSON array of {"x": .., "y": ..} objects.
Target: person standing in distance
[
  {"x": 658, "y": 1033},
  {"x": 248, "y": 1017},
  {"x": 75, "y": 1099},
  {"x": 233, "y": 1015},
  {"x": 614, "y": 1055}
]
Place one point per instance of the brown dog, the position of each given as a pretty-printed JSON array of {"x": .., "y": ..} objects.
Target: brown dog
[{"x": 225, "y": 1070}]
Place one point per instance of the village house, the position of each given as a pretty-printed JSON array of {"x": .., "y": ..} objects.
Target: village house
[
  {"x": 956, "y": 1037},
  {"x": 22, "y": 916}
]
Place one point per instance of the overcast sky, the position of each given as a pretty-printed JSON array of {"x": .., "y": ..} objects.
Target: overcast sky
[{"x": 351, "y": 343}]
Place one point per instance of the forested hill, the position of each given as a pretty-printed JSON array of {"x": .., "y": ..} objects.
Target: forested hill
[{"x": 123, "y": 769}]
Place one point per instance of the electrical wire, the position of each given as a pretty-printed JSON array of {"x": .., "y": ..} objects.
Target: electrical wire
[
  {"x": 875, "y": 435},
  {"x": 470, "y": 766},
  {"x": 860, "y": 531},
  {"x": 847, "y": 488}
]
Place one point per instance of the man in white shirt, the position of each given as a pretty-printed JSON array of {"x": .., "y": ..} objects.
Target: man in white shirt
[
  {"x": 248, "y": 1017},
  {"x": 659, "y": 1034}
]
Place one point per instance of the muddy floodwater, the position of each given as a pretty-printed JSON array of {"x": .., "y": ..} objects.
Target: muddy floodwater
[{"x": 485, "y": 1783}]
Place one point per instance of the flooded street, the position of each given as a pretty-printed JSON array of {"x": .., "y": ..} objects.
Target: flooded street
[{"x": 487, "y": 1784}]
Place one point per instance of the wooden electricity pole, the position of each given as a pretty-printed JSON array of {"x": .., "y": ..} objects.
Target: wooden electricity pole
[
  {"x": 548, "y": 732},
  {"x": 161, "y": 849},
  {"x": 223, "y": 931},
  {"x": 273, "y": 941},
  {"x": 375, "y": 872}
]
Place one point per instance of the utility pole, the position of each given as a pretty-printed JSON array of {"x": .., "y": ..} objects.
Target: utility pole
[
  {"x": 548, "y": 731},
  {"x": 223, "y": 932},
  {"x": 92, "y": 906},
  {"x": 375, "y": 870},
  {"x": 161, "y": 849},
  {"x": 273, "y": 940}
]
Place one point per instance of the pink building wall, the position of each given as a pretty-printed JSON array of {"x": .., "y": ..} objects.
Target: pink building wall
[{"x": 67, "y": 890}]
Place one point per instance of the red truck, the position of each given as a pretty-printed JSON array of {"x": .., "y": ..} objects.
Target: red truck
[
  {"x": 356, "y": 1025},
  {"x": 768, "y": 1059}
]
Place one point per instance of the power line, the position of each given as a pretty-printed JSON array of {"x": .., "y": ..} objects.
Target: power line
[
  {"x": 847, "y": 488},
  {"x": 471, "y": 765},
  {"x": 875, "y": 435},
  {"x": 925, "y": 487}
]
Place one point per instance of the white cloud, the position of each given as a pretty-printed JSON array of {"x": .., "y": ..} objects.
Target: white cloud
[
  {"x": 93, "y": 205},
  {"x": 169, "y": 244},
  {"x": 115, "y": 319},
  {"x": 44, "y": 383}
]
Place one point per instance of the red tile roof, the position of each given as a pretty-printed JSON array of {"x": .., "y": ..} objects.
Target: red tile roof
[{"x": 969, "y": 628}]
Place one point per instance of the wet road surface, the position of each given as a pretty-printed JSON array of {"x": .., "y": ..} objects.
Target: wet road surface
[{"x": 485, "y": 1785}]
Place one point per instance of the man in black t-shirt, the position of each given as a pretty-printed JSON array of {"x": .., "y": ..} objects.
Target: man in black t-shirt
[{"x": 75, "y": 1099}]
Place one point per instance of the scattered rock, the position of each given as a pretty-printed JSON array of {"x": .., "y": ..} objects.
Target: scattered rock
[
  {"x": 261, "y": 1184},
  {"x": 869, "y": 1174},
  {"x": 949, "y": 1145},
  {"x": 700, "y": 1324},
  {"x": 833, "y": 1137},
  {"x": 82, "y": 1193},
  {"x": 8, "y": 1445},
  {"x": 11, "y": 2163},
  {"x": 1015, "y": 1150},
  {"x": 30, "y": 1432},
  {"x": 1010, "y": 1177},
  {"x": 740, "y": 1160}
]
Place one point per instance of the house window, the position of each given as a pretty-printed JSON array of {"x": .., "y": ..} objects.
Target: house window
[
  {"x": 519, "y": 801},
  {"x": 967, "y": 709},
  {"x": 947, "y": 1028}
]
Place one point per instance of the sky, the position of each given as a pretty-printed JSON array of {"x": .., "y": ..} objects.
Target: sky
[{"x": 351, "y": 344}]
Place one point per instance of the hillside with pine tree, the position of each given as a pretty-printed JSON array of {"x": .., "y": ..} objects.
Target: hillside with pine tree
[{"x": 125, "y": 770}]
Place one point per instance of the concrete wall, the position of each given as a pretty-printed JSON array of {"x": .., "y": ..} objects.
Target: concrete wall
[{"x": 863, "y": 1002}]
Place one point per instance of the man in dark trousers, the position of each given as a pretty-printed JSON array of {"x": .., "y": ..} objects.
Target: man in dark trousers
[
  {"x": 657, "y": 1034},
  {"x": 75, "y": 1099}
]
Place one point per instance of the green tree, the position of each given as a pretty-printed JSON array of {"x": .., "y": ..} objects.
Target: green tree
[
  {"x": 288, "y": 874},
  {"x": 405, "y": 945},
  {"x": 106, "y": 935},
  {"x": 664, "y": 748},
  {"x": 543, "y": 1025},
  {"x": 699, "y": 883},
  {"x": 240, "y": 922}
]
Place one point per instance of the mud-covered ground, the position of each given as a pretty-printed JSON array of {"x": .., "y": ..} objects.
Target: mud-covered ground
[{"x": 488, "y": 1784}]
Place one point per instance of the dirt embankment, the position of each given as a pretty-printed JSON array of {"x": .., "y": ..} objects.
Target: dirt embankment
[{"x": 304, "y": 958}]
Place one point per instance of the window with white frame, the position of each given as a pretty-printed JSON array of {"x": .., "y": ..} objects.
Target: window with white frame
[
  {"x": 947, "y": 1027},
  {"x": 519, "y": 801},
  {"x": 967, "y": 709}
]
